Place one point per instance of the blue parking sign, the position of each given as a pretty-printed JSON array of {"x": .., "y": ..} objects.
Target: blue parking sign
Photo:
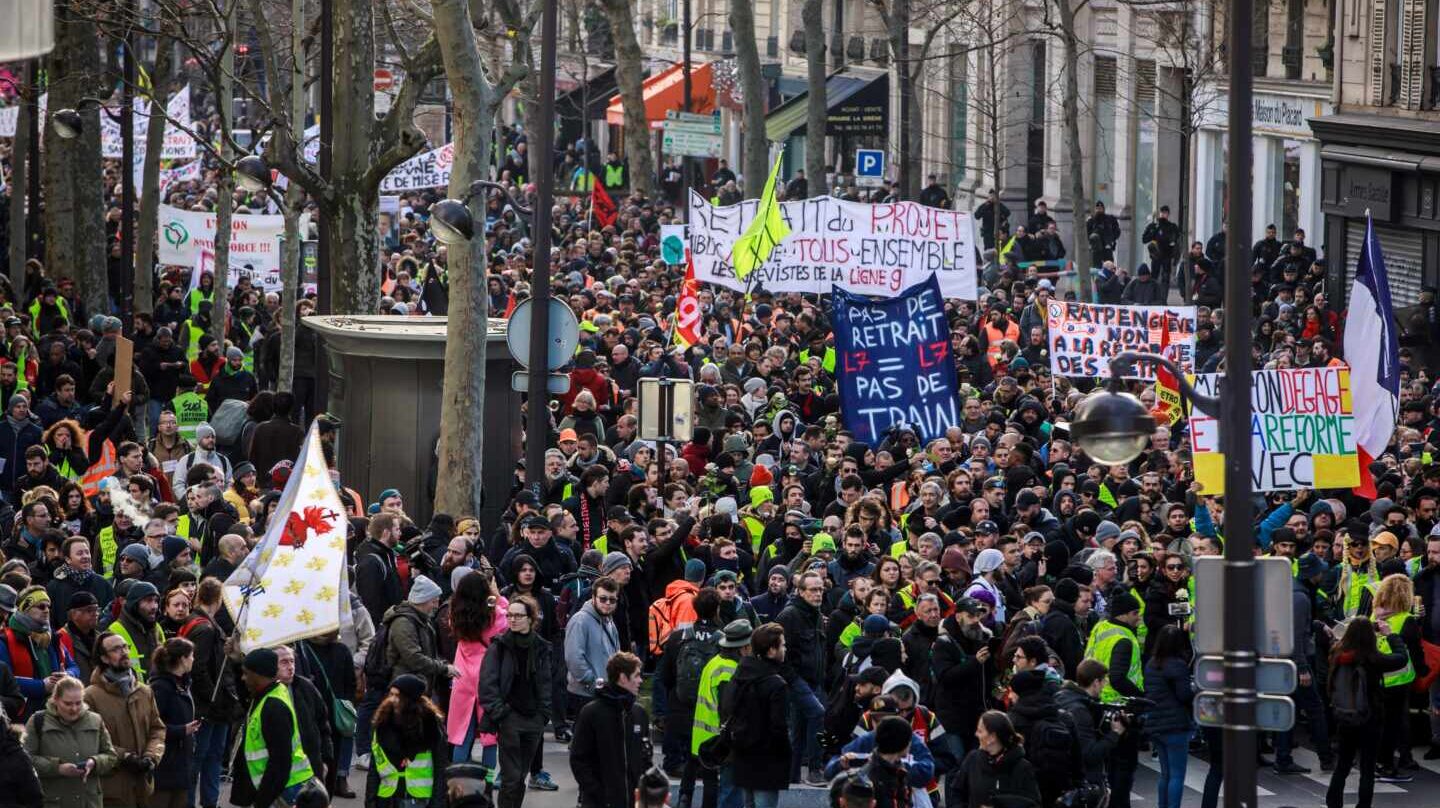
[{"x": 870, "y": 163}]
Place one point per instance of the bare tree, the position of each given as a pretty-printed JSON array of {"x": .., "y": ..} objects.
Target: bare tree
[
  {"x": 1070, "y": 111},
  {"x": 899, "y": 16},
  {"x": 816, "y": 112},
  {"x": 747, "y": 57},
  {"x": 628, "y": 65},
  {"x": 146, "y": 230}
]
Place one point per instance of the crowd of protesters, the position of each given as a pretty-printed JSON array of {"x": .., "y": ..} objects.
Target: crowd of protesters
[{"x": 981, "y": 618}]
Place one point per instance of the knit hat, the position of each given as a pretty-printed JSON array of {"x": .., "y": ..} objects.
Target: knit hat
[
  {"x": 952, "y": 559},
  {"x": 614, "y": 561},
  {"x": 736, "y": 633},
  {"x": 759, "y": 495},
  {"x": 409, "y": 685},
  {"x": 1106, "y": 530},
  {"x": 423, "y": 590},
  {"x": 172, "y": 547},
  {"x": 204, "y": 430},
  {"x": 1123, "y": 603},
  {"x": 726, "y": 506},
  {"x": 892, "y": 735},
  {"x": 82, "y": 600},
  {"x": 136, "y": 553},
  {"x": 35, "y": 596},
  {"x": 1027, "y": 682},
  {"x": 139, "y": 591},
  {"x": 695, "y": 571},
  {"x": 875, "y": 625},
  {"x": 1310, "y": 565},
  {"x": 234, "y": 353},
  {"x": 263, "y": 661},
  {"x": 822, "y": 543},
  {"x": 736, "y": 443},
  {"x": 1067, "y": 590},
  {"x": 243, "y": 469},
  {"x": 983, "y": 595},
  {"x": 989, "y": 560}
]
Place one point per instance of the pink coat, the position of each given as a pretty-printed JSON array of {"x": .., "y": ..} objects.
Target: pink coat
[{"x": 464, "y": 690}]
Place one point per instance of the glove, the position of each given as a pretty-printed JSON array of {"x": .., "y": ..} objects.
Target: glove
[{"x": 146, "y": 765}]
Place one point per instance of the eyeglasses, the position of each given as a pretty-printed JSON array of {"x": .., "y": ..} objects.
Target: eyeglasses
[
  {"x": 518, "y": 615},
  {"x": 1174, "y": 567},
  {"x": 604, "y": 599}
]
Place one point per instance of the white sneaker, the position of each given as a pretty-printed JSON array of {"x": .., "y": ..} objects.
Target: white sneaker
[{"x": 362, "y": 762}]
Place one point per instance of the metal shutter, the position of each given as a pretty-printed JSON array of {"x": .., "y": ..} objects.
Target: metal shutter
[{"x": 1404, "y": 252}]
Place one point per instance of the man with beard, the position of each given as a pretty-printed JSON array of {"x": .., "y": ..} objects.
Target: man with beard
[
  {"x": 854, "y": 561},
  {"x": 804, "y": 669},
  {"x": 552, "y": 558},
  {"x": 75, "y": 575},
  {"x": 1114, "y": 643},
  {"x": 960, "y": 664},
  {"x": 777, "y": 593},
  {"x": 205, "y": 453},
  {"x": 127, "y": 706},
  {"x": 138, "y": 625},
  {"x": 33, "y": 652},
  {"x": 458, "y": 553},
  {"x": 848, "y": 704},
  {"x": 732, "y": 606}
]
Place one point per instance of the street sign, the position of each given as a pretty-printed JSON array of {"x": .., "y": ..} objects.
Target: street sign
[
  {"x": 666, "y": 409},
  {"x": 1272, "y": 713},
  {"x": 1271, "y": 676},
  {"x": 384, "y": 79},
  {"x": 676, "y": 116},
  {"x": 564, "y": 333},
  {"x": 555, "y": 383},
  {"x": 1270, "y": 604},
  {"x": 692, "y": 135},
  {"x": 869, "y": 167}
]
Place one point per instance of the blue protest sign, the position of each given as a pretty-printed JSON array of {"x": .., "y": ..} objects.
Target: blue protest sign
[{"x": 894, "y": 364}]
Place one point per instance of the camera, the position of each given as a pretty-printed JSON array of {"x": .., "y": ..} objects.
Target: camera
[
  {"x": 1128, "y": 711},
  {"x": 1180, "y": 609}
]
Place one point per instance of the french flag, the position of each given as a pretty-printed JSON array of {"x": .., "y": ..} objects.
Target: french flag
[{"x": 1373, "y": 353}]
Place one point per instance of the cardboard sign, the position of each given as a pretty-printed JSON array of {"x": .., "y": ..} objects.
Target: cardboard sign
[
  {"x": 124, "y": 368},
  {"x": 1084, "y": 337}
]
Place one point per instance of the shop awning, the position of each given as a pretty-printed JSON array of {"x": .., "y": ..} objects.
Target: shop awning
[
  {"x": 666, "y": 91},
  {"x": 856, "y": 104}
]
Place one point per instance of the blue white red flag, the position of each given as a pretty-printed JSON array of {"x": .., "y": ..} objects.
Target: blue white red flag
[{"x": 1373, "y": 352}]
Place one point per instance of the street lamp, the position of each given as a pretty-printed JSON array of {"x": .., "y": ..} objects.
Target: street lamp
[
  {"x": 1112, "y": 426},
  {"x": 252, "y": 175},
  {"x": 451, "y": 219},
  {"x": 68, "y": 124}
]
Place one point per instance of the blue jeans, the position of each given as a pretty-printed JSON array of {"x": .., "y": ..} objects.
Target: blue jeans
[
  {"x": 806, "y": 713},
  {"x": 761, "y": 799},
  {"x": 1173, "y": 749},
  {"x": 730, "y": 796},
  {"x": 364, "y": 711},
  {"x": 210, "y": 745},
  {"x": 461, "y": 752}
]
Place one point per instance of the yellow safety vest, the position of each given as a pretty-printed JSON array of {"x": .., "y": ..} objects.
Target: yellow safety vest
[
  {"x": 719, "y": 670},
  {"x": 108, "y": 549},
  {"x": 192, "y": 344},
  {"x": 1359, "y": 582},
  {"x": 137, "y": 662},
  {"x": 419, "y": 776},
  {"x": 257, "y": 755},
  {"x": 1102, "y": 643},
  {"x": 195, "y": 297},
  {"x": 1405, "y": 675}
]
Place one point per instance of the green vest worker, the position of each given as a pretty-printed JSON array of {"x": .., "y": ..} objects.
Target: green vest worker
[
  {"x": 191, "y": 409},
  {"x": 720, "y": 669},
  {"x": 272, "y": 764},
  {"x": 415, "y": 767},
  {"x": 1113, "y": 643}
]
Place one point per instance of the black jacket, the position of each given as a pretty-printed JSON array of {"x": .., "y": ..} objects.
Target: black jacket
[
  {"x": 611, "y": 749},
  {"x": 276, "y": 730},
  {"x": 961, "y": 682},
  {"x": 19, "y": 784},
  {"x": 804, "y": 642},
  {"x": 1168, "y": 685},
  {"x": 757, "y": 696},
  {"x": 1096, "y": 742},
  {"x": 377, "y": 580},
  {"x": 404, "y": 743},
  {"x": 1006, "y": 781},
  {"x": 1060, "y": 632},
  {"x": 313, "y": 710},
  {"x": 500, "y": 675},
  {"x": 1052, "y": 743},
  {"x": 172, "y": 697}
]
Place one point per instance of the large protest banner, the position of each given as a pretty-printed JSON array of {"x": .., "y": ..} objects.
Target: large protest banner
[
  {"x": 428, "y": 170},
  {"x": 1302, "y": 431},
  {"x": 893, "y": 362},
  {"x": 864, "y": 249},
  {"x": 178, "y": 145},
  {"x": 254, "y": 243},
  {"x": 1084, "y": 337}
]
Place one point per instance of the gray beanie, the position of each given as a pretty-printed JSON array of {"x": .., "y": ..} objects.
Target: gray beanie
[
  {"x": 1106, "y": 530},
  {"x": 423, "y": 590},
  {"x": 614, "y": 561}
]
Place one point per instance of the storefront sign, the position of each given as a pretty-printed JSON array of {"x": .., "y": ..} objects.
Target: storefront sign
[
  {"x": 1366, "y": 188},
  {"x": 1274, "y": 114}
]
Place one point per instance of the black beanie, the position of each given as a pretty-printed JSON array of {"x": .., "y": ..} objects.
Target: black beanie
[
  {"x": 892, "y": 735},
  {"x": 1067, "y": 590},
  {"x": 263, "y": 661},
  {"x": 1026, "y": 682},
  {"x": 1123, "y": 603}
]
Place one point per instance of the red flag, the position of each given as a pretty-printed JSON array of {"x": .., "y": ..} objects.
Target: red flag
[
  {"x": 1163, "y": 376},
  {"x": 1167, "y": 388},
  {"x": 687, "y": 308},
  {"x": 603, "y": 206}
]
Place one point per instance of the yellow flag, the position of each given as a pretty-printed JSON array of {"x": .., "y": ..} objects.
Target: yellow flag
[{"x": 765, "y": 233}]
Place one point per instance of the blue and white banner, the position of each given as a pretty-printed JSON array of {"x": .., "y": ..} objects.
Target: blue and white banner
[{"x": 894, "y": 364}]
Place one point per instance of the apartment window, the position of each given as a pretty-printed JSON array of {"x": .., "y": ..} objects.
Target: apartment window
[
  {"x": 1293, "y": 56},
  {"x": 1105, "y": 86},
  {"x": 959, "y": 116},
  {"x": 1260, "y": 37}
]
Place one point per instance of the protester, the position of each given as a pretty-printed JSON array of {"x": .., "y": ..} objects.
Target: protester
[
  {"x": 611, "y": 749},
  {"x": 408, "y": 739},
  {"x": 514, "y": 694},
  {"x": 996, "y": 773},
  {"x": 132, "y": 719},
  {"x": 70, "y": 747}
]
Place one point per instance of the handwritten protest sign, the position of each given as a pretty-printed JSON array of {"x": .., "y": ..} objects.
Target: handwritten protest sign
[
  {"x": 1302, "y": 431},
  {"x": 1084, "y": 337},
  {"x": 178, "y": 144},
  {"x": 894, "y": 363},
  {"x": 864, "y": 249},
  {"x": 428, "y": 170},
  {"x": 10, "y": 116},
  {"x": 254, "y": 243}
]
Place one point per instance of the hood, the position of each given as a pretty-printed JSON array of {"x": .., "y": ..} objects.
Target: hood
[
  {"x": 752, "y": 668},
  {"x": 678, "y": 586},
  {"x": 1334, "y": 507},
  {"x": 775, "y": 424},
  {"x": 585, "y": 377},
  {"x": 1035, "y": 706},
  {"x": 899, "y": 679}
]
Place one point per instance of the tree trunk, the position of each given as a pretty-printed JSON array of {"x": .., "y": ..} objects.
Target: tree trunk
[
  {"x": 291, "y": 253},
  {"x": 19, "y": 184},
  {"x": 629, "y": 61},
  {"x": 907, "y": 158},
  {"x": 76, "y": 245},
  {"x": 816, "y": 112},
  {"x": 1071, "y": 111},
  {"x": 146, "y": 230},
  {"x": 747, "y": 58},
  {"x": 354, "y": 240}
]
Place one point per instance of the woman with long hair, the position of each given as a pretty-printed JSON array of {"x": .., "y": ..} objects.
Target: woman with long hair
[
  {"x": 1357, "y": 665},
  {"x": 407, "y": 739},
  {"x": 78, "y": 517},
  {"x": 1393, "y": 601},
  {"x": 170, "y": 680},
  {"x": 1167, "y": 723},
  {"x": 477, "y": 616},
  {"x": 997, "y": 773},
  {"x": 65, "y": 443}
]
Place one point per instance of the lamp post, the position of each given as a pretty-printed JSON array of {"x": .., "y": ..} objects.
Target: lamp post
[
  {"x": 69, "y": 125},
  {"x": 537, "y": 427}
]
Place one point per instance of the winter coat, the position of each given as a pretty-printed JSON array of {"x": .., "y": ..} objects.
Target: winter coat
[
  {"x": 756, "y": 698},
  {"x": 64, "y": 586},
  {"x": 1144, "y": 292},
  {"x": 555, "y": 559},
  {"x": 377, "y": 580},
  {"x": 135, "y": 727},
  {"x": 60, "y": 742},
  {"x": 961, "y": 681},
  {"x": 1004, "y": 781},
  {"x": 805, "y": 642},
  {"x": 404, "y": 743},
  {"x": 1168, "y": 685},
  {"x": 312, "y": 709},
  {"x": 1060, "y": 632},
  {"x": 19, "y": 784},
  {"x": 177, "y": 708},
  {"x": 1096, "y": 742},
  {"x": 275, "y": 440},
  {"x": 590, "y": 641},
  {"x": 465, "y": 704},
  {"x": 497, "y": 679},
  {"x": 15, "y": 438},
  {"x": 58, "y": 657},
  {"x": 1038, "y": 718},
  {"x": 412, "y": 647},
  {"x": 611, "y": 749}
]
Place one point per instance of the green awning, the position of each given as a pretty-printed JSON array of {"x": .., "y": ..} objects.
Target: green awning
[{"x": 790, "y": 117}]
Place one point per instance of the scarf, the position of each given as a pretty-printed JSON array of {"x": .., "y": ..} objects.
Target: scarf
[
  {"x": 80, "y": 578},
  {"x": 39, "y": 636},
  {"x": 124, "y": 680},
  {"x": 525, "y": 642}
]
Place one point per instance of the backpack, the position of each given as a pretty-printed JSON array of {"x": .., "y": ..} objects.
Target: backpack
[
  {"x": 228, "y": 421},
  {"x": 379, "y": 671},
  {"x": 697, "y": 648},
  {"x": 574, "y": 589},
  {"x": 191, "y": 624},
  {"x": 1050, "y": 745},
  {"x": 1350, "y": 696},
  {"x": 741, "y": 733},
  {"x": 662, "y": 620}
]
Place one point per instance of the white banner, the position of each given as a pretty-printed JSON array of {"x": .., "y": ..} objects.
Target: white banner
[
  {"x": 254, "y": 243},
  {"x": 1084, "y": 337},
  {"x": 10, "y": 116},
  {"x": 178, "y": 144},
  {"x": 864, "y": 249},
  {"x": 428, "y": 170}
]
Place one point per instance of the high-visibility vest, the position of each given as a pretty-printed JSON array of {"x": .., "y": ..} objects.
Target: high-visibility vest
[
  {"x": 614, "y": 175},
  {"x": 106, "y": 466},
  {"x": 137, "y": 662},
  {"x": 1359, "y": 583},
  {"x": 248, "y": 361},
  {"x": 1405, "y": 675},
  {"x": 257, "y": 755},
  {"x": 1139, "y": 630},
  {"x": 994, "y": 336},
  {"x": 756, "y": 529},
  {"x": 191, "y": 410},
  {"x": 192, "y": 345},
  {"x": 108, "y": 549},
  {"x": 35, "y": 313},
  {"x": 195, "y": 297},
  {"x": 419, "y": 776},
  {"x": 899, "y": 548},
  {"x": 718, "y": 671},
  {"x": 1102, "y": 643}
]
